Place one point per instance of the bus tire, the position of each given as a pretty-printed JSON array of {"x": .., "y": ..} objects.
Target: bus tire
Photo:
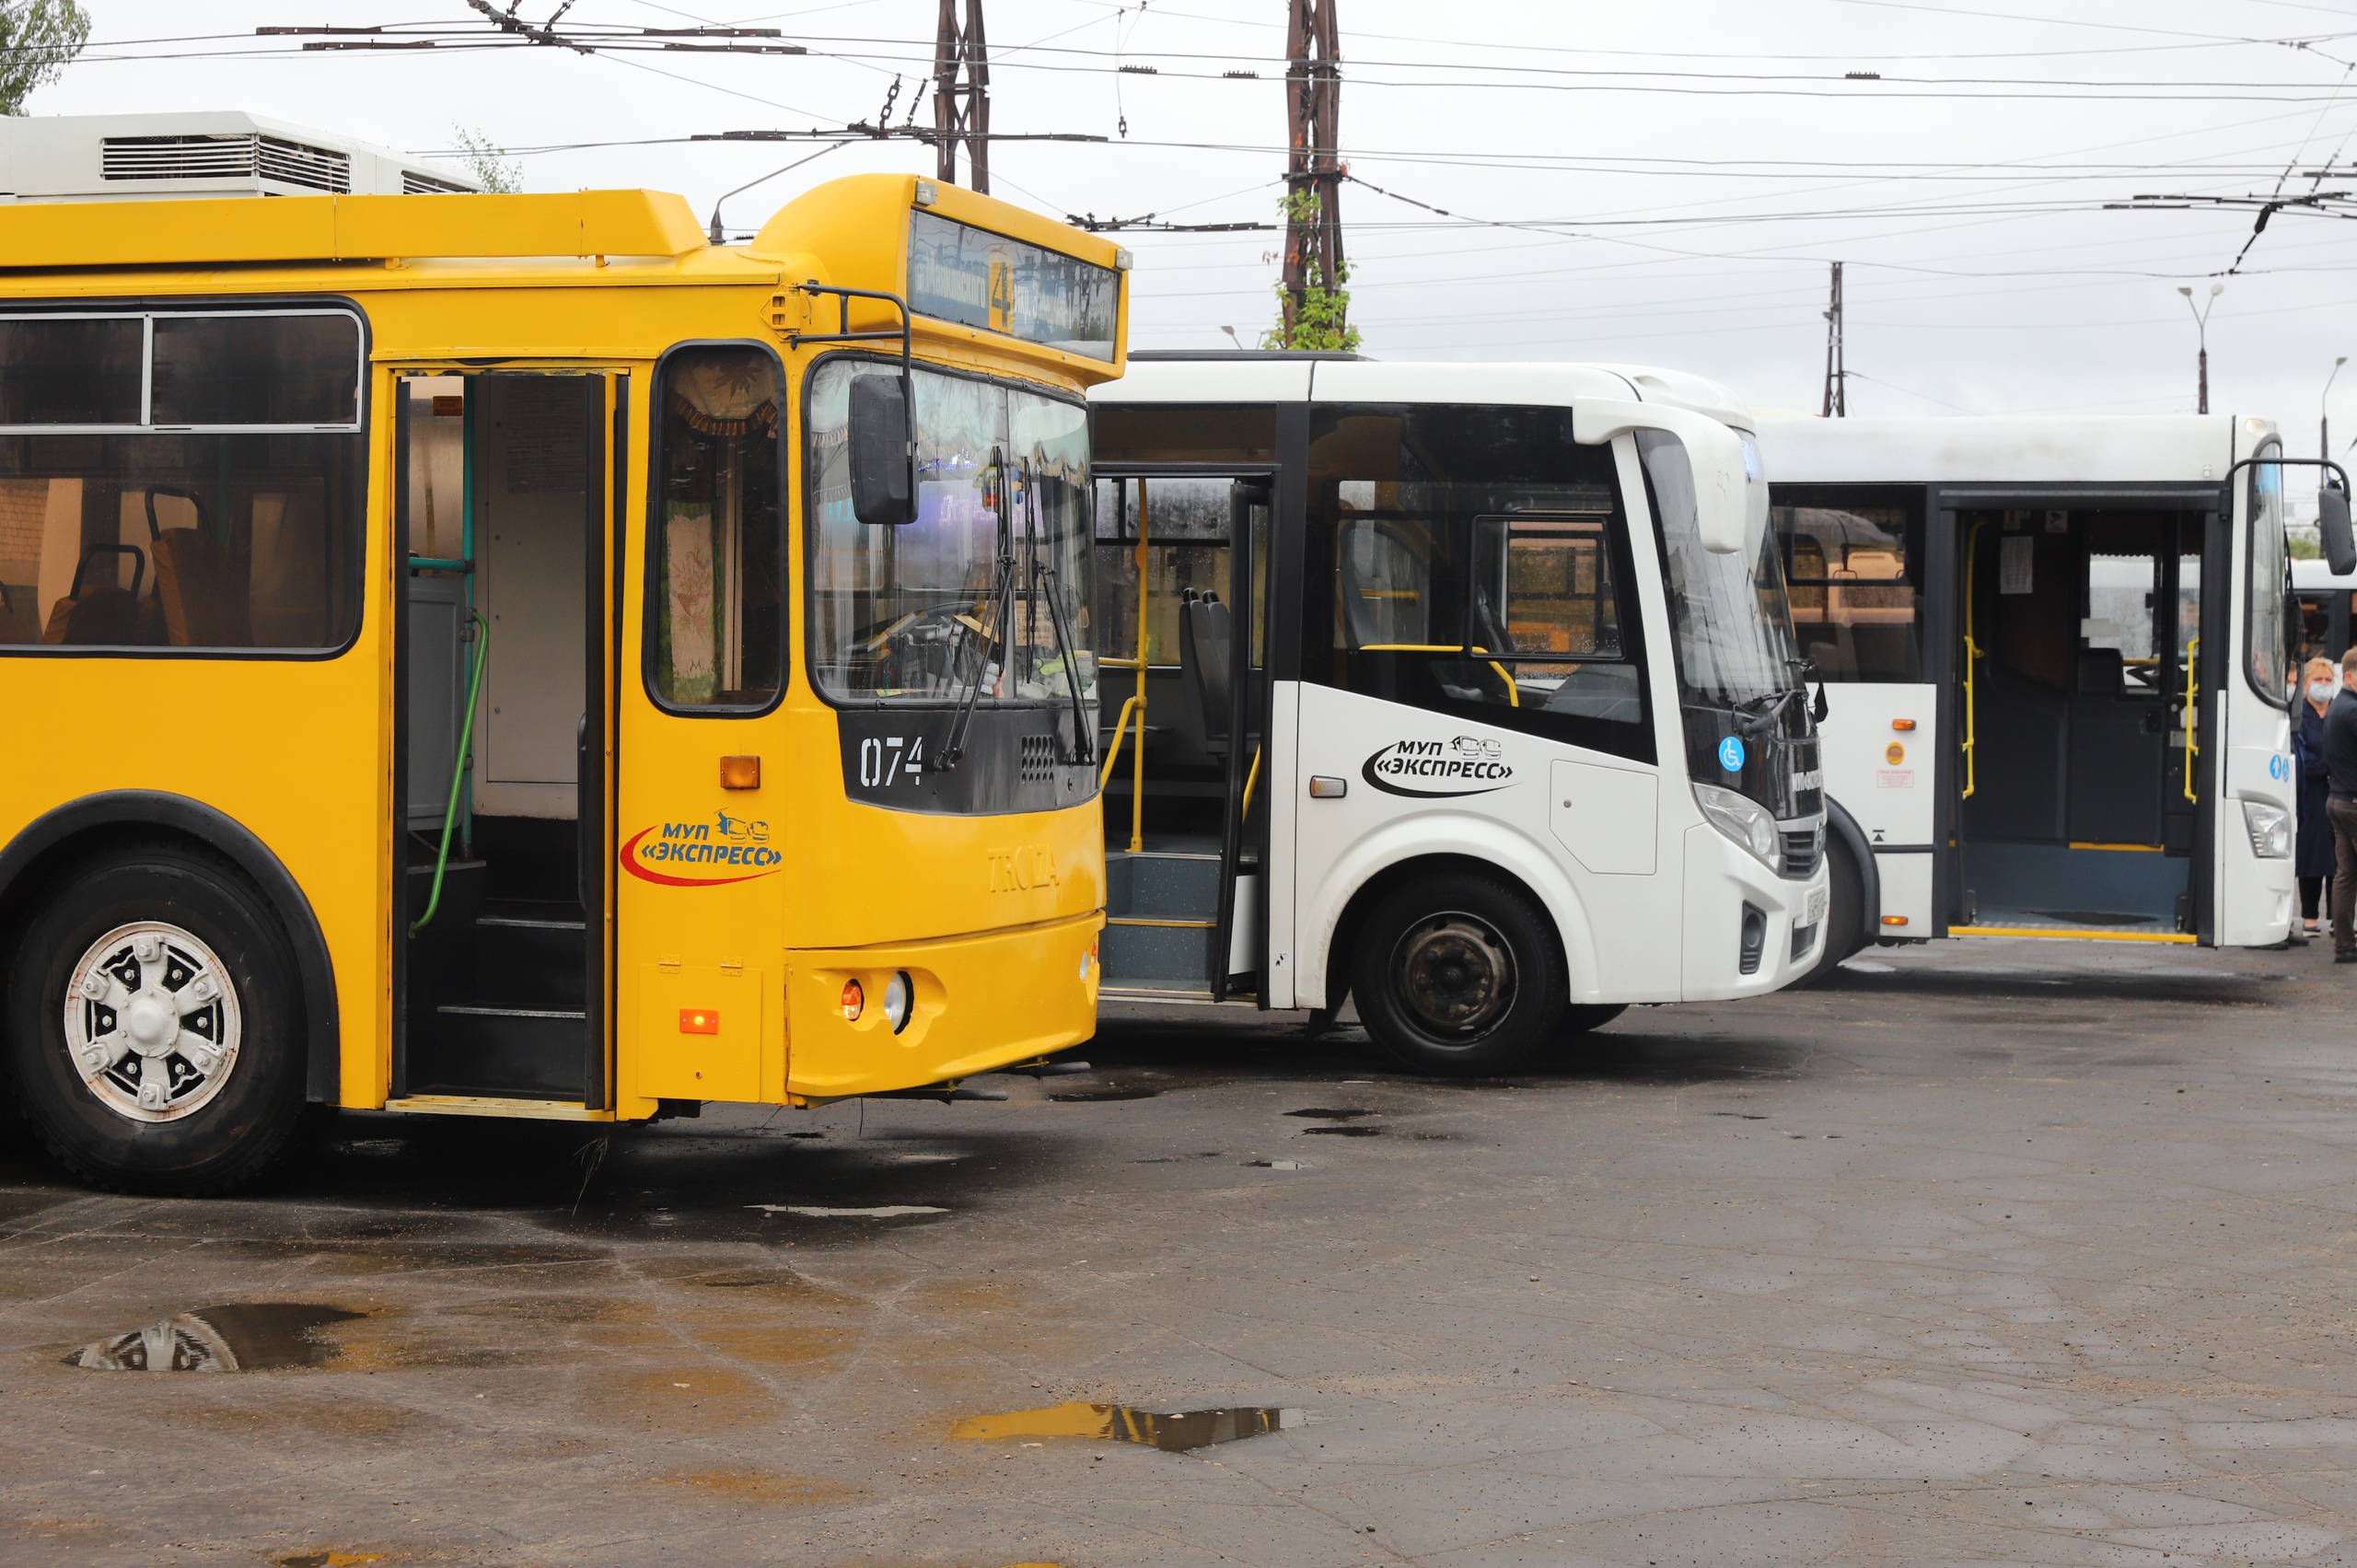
[
  {"x": 154, "y": 1030},
  {"x": 1459, "y": 975},
  {"x": 1845, "y": 914}
]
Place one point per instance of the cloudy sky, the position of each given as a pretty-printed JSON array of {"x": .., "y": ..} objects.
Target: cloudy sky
[{"x": 1662, "y": 183}]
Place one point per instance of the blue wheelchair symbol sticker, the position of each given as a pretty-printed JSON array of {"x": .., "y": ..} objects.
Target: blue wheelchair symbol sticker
[{"x": 1731, "y": 753}]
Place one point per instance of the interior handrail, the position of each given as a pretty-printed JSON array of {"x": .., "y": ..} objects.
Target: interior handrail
[
  {"x": 464, "y": 755},
  {"x": 1514, "y": 692},
  {"x": 2192, "y": 699},
  {"x": 1971, "y": 657},
  {"x": 1113, "y": 749},
  {"x": 1250, "y": 780}
]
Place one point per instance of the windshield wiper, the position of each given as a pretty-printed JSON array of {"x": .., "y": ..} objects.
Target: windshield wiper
[
  {"x": 1083, "y": 752},
  {"x": 1003, "y": 613}
]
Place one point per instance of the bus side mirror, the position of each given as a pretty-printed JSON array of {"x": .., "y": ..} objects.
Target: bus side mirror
[
  {"x": 883, "y": 468},
  {"x": 2332, "y": 526}
]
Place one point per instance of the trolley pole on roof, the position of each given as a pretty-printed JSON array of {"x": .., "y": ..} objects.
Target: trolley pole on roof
[
  {"x": 1837, "y": 373},
  {"x": 1313, "y": 171},
  {"x": 961, "y": 110}
]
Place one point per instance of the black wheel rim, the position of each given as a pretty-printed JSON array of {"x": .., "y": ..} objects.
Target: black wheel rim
[{"x": 1454, "y": 976}]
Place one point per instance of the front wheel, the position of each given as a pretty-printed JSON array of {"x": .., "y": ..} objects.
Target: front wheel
[
  {"x": 1459, "y": 975},
  {"x": 153, "y": 1028}
]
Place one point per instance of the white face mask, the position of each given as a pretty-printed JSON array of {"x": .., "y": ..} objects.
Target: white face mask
[{"x": 2321, "y": 691}]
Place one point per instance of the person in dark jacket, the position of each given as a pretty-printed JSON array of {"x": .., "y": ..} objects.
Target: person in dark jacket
[
  {"x": 2312, "y": 856},
  {"x": 2341, "y": 809}
]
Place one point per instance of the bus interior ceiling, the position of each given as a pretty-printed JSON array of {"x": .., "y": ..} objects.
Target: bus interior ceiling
[
  {"x": 1163, "y": 857},
  {"x": 500, "y": 471},
  {"x": 2080, "y": 813}
]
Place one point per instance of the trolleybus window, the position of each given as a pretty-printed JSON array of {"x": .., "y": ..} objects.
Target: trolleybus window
[
  {"x": 1472, "y": 561},
  {"x": 181, "y": 481},
  {"x": 912, "y": 613},
  {"x": 2267, "y": 649},
  {"x": 717, "y": 599},
  {"x": 1854, "y": 573}
]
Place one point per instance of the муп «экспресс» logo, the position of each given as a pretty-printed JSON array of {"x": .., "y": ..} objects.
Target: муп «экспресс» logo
[
  {"x": 1432, "y": 770},
  {"x": 702, "y": 855}
]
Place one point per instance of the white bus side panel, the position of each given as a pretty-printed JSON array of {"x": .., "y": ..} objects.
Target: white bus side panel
[
  {"x": 2254, "y": 896},
  {"x": 1884, "y": 778},
  {"x": 1283, "y": 764},
  {"x": 1621, "y": 925}
]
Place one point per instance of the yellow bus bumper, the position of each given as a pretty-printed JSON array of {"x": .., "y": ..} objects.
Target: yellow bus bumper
[{"x": 980, "y": 1002}]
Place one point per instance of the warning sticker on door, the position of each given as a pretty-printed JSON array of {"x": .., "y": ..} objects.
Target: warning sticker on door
[
  {"x": 1435, "y": 769},
  {"x": 1894, "y": 778}
]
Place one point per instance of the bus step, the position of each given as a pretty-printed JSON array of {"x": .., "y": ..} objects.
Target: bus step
[
  {"x": 524, "y": 956},
  {"x": 1155, "y": 956},
  {"x": 533, "y": 1051},
  {"x": 1162, "y": 886}
]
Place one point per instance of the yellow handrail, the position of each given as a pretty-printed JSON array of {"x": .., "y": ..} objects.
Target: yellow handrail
[
  {"x": 1113, "y": 751},
  {"x": 1514, "y": 693},
  {"x": 2192, "y": 696},
  {"x": 1251, "y": 779},
  {"x": 1971, "y": 657},
  {"x": 1137, "y": 752}
]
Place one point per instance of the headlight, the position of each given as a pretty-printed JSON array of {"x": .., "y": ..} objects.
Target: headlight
[
  {"x": 1743, "y": 819},
  {"x": 900, "y": 1001},
  {"x": 2270, "y": 827}
]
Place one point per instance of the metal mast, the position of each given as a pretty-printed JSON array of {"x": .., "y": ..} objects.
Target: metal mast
[
  {"x": 1313, "y": 118},
  {"x": 961, "y": 110},
  {"x": 1837, "y": 373}
]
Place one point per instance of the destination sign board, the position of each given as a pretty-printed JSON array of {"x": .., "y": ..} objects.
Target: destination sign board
[{"x": 958, "y": 273}]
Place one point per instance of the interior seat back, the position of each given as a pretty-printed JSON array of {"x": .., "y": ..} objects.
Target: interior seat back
[{"x": 1205, "y": 663}]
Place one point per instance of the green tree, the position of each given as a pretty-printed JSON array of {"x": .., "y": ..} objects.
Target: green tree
[
  {"x": 38, "y": 38},
  {"x": 482, "y": 160},
  {"x": 1323, "y": 319}
]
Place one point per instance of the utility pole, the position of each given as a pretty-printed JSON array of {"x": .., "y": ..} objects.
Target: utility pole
[
  {"x": 1313, "y": 171},
  {"x": 1836, "y": 372},
  {"x": 961, "y": 111}
]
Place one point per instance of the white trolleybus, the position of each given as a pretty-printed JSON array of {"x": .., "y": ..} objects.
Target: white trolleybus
[
  {"x": 2055, "y": 651},
  {"x": 1468, "y": 692}
]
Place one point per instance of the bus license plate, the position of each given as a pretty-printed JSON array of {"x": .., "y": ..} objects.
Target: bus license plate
[{"x": 1816, "y": 906}]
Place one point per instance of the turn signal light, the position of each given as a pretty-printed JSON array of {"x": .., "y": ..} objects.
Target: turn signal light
[
  {"x": 1902, "y": 724},
  {"x": 1893, "y": 920},
  {"x": 855, "y": 1000},
  {"x": 699, "y": 1021},
  {"x": 741, "y": 772}
]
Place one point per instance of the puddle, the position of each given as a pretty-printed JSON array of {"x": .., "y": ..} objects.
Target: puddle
[
  {"x": 370, "y": 1148},
  {"x": 262, "y": 1336},
  {"x": 1174, "y": 1431},
  {"x": 328, "y": 1559},
  {"x": 1090, "y": 1097},
  {"x": 1321, "y": 1115},
  {"x": 1178, "y": 1159},
  {"x": 1435, "y": 1137},
  {"x": 1278, "y": 1165},
  {"x": 1745, "y": 1115},
  {"x": 1342, "y": 1132},
  {"x": 880, "y": 1211}
]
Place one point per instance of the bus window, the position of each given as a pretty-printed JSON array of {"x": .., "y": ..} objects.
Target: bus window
[
  {"x": 2266, "y": 650},
  {"x": 904, "y": 614},
  {"x": 1543, "y": 588},
  {"x": 181, "y": 481},
  {"x": 2116, "y": 630},
  {"x": 718, "y": 639},
  {"x": 1186, "y": 522},
  {"x": 1853, "y": 573}
]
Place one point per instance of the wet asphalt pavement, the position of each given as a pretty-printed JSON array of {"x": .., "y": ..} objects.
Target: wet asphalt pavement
[{"x": 1997, "y": 1252}]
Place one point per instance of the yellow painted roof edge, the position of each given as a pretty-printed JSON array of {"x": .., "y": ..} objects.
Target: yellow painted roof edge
[{"x": 309, "y": 228}]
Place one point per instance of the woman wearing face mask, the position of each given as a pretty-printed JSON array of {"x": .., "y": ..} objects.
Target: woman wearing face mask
[{"x": 2313, "y": 861}]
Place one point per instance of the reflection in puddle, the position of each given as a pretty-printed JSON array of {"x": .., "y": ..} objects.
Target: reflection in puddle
[
  {"x": 247, "y": 1336},
  {"x": 1113, "y": 1091},
  {"x": 1322, "y": 1115},
  {"x": 1175, "y": 1431},
  {"x": 1342, "y": 1132}
]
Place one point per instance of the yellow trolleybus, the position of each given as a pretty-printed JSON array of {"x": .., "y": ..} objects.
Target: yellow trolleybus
[{"x": 501, "y": 655}]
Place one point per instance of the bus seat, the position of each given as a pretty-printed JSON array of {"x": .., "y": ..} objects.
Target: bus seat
[
  {"x": 1204, "y": 650},
  {"x": 98, "y": 616},
  {"x": 204, "y": 602},
  {"x": 2100, "y": 673},
  {"x": 16, "y": 620}
]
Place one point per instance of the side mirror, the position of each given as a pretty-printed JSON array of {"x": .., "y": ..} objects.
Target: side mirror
[
  {"x": 1714, "y": 458},
  {"x": 2332, "y": 525},
  {"x": 883, "y": 464}
]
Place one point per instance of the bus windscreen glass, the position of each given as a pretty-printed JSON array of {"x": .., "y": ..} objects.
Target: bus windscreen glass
[
  {"x": 913, "y": 613},
  {"x": 958, "y": 273}
]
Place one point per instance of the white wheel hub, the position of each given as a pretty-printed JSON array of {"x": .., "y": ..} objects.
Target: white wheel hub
[{"x": 152, "y": 1022}]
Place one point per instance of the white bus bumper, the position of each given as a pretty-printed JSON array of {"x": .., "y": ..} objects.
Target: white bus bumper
[{"x": 1748, "y": 930}]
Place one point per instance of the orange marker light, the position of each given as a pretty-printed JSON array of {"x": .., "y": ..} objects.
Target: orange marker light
[
  {"x": 741, "y": 772},
  {"x": 1893, "y": 920},
  {"x": 1902, "y": 724},
  {"x": 855, "y": 1000},
  {"x": 699, "y": 1021}
]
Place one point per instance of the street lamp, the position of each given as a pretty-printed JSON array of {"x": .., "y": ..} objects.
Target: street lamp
[
  {"x": 2201, "y": 325},
  {"x": 2324, "y": 413}
]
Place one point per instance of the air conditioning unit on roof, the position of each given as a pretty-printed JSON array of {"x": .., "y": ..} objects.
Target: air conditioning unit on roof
[{"x": 115, "y": 158}]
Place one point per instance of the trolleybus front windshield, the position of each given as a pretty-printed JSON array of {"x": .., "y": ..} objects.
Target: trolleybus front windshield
[{"x": 912, "y": 615}]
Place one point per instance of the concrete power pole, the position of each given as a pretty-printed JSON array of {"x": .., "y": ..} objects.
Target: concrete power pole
[
  {"x": 961, "y": 111},
  {"x": 1313, "y": 171},
  {"x": 1837, "y": 373}
]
